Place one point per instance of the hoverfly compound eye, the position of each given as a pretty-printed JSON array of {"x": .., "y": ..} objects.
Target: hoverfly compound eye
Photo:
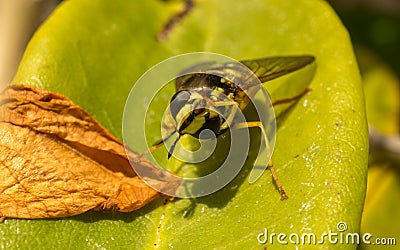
[{"x": 178, "y": 101}]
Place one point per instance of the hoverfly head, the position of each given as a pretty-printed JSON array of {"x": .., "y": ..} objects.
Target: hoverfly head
[{"x": 192, "y": 113}]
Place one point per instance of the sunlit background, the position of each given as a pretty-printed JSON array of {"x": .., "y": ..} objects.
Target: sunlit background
[{"x": 374, "y": 26}]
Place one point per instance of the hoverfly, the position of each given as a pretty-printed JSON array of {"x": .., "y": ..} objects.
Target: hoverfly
[{"x": 197, "y": 106}]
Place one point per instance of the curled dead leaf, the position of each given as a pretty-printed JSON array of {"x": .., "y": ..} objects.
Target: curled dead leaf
[{"x": 57, "y": 161}]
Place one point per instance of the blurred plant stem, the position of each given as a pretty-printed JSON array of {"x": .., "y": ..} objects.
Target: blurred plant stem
[
  {"x": 384, "y": 147},
  {"x": 18, "y": 21},
  {"x": 391, "y": 7}
]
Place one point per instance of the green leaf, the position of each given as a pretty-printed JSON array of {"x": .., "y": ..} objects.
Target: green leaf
[{"x": 94, "y": 51}]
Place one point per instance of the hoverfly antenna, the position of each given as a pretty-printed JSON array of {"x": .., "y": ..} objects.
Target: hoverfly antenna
[{"x": 171, "y": 149}]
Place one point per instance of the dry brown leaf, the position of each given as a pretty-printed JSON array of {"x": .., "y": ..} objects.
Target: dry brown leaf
[{"x": 57, "y": 161}]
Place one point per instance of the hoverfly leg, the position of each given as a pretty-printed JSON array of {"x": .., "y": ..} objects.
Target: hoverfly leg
[
  {"x": 291, "y": 99},
  {"x": 270, "y": 165},
  {"x": 230, "y": 118},
  {"x": 150, "y": 150},
  {"x": 157, "y": 145},
  {"x": 275, "y": 177}
]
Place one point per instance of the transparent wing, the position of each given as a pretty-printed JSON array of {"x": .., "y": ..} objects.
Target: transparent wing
[{"x": 270, "y": 68}]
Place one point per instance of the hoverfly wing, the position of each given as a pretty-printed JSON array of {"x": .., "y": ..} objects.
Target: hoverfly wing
[{"x": 269, "y": 68}]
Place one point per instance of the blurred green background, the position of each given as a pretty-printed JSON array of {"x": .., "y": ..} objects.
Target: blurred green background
[{"x": 374, "y": 26}]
